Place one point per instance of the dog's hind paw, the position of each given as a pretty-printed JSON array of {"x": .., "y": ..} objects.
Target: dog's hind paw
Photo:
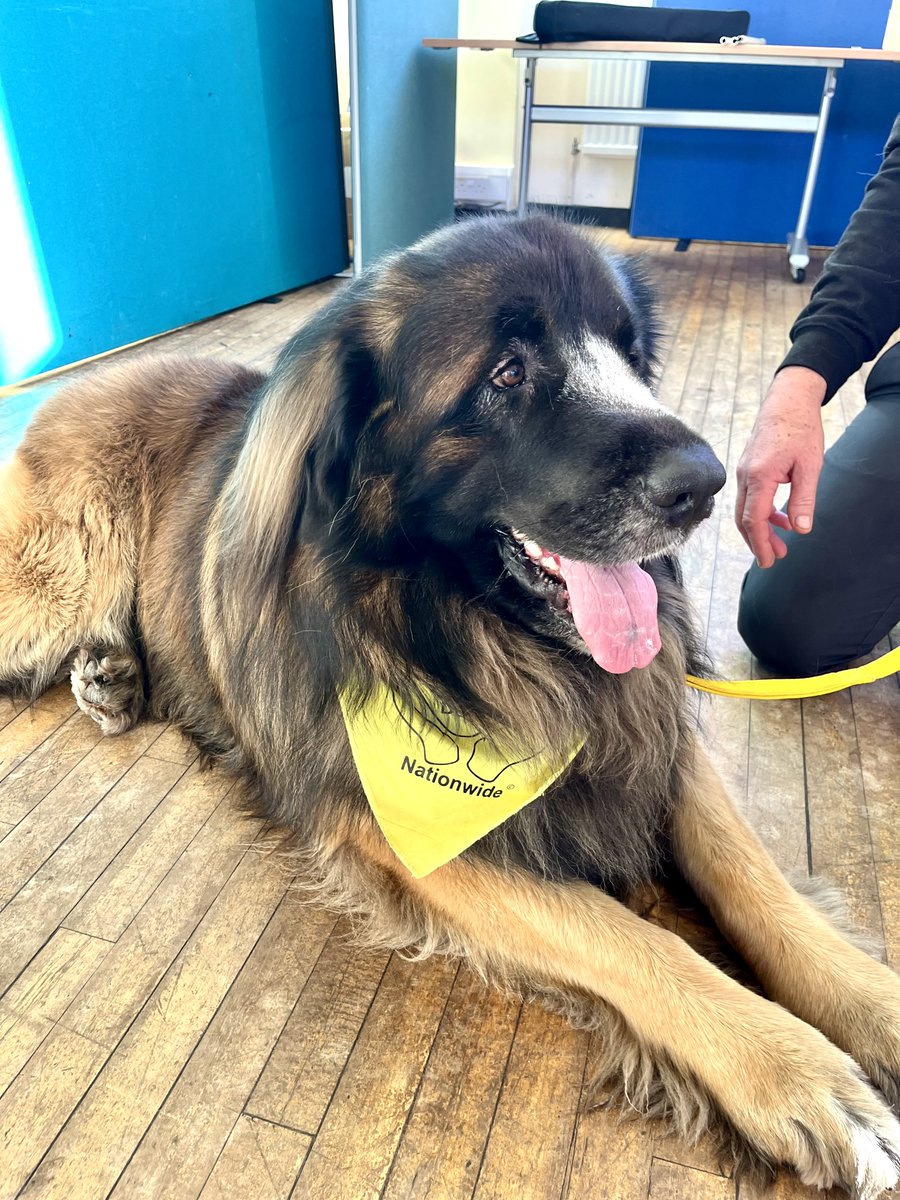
[{"x": 108, "y": 687}]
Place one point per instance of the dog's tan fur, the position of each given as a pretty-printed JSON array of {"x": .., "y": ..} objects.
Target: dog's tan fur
[
  {"x": 150, "y": 508},
  {"x": 680, "y": 1010},
  {"x": 796, "y": 952}
]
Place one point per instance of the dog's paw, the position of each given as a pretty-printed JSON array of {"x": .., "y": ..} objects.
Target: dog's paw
[
  {"x": 861, "y": 1152},
  {"x": 110, "y": 689},
  {"x": 813, "y": 1110}
]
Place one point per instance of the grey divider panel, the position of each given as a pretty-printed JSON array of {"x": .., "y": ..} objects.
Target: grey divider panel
[{"x": 406, "y": 123}]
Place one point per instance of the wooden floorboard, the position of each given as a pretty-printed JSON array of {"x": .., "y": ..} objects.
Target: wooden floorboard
[{"x": 175, "y": 1022}]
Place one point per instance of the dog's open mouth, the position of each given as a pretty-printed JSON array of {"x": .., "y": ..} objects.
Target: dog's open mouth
[{"x": 613, "y": 608}]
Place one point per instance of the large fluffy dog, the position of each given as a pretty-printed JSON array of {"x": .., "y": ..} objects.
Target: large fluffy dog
[{"x": 447, "y": 483}]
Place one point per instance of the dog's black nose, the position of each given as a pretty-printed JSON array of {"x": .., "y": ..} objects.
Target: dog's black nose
[{"x": 683, "y": 481}]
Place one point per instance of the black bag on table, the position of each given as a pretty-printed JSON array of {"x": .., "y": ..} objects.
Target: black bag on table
[{"x": 581, "y": 21}]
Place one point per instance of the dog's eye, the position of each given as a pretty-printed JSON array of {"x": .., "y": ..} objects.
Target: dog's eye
[{"x": 510, "y": 375}]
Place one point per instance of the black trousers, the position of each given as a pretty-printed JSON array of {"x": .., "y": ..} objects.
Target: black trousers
[{"x": 837, "y": 593}]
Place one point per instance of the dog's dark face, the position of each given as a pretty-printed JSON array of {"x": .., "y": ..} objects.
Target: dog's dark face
[{"x": 508, "y": 419}]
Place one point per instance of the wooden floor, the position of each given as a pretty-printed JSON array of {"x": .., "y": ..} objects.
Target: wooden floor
[{"x": 175, "y": 1023}]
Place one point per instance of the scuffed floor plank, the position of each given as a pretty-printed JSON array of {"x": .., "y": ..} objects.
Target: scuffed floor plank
[
  {"x": 533, "y": 1131},
  {"x": 51, "y": 893},
  {"x": 259, "y": 1162},
  {"x": 100, "y": 1136},
  {"x": 450, "y": 1119},
  {"x": 41, "y": 994},
  {"x": 108, "y": 907},
  {"x": 49, "y": 823},
  {"x": 29, "y": 726},
  {"x": 352, "y": 1153},
  {"x": 28, "y": 783},
  {"x": 190, "y": 1130},
  {"x": 39, "y": 1101},
  {"x": 115, "y": 994},
  {"x": 298, "y": 1081},
  {"x": 671, "y": 1181}
]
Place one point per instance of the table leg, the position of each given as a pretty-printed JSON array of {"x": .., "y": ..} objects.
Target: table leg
[
  {"x": 798, "y": 246},
  {"x": 525, "y": 156}
]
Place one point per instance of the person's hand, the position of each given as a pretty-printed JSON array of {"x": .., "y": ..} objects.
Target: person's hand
[{"x": 786, "y": 446}]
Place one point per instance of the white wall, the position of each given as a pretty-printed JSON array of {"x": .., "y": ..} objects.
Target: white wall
[
  {"x": 487, "y": 84},
  {"x": 892, "y": 32},
  {"x": 489, "y": 106},
  {"x": 488, "y": 114}
]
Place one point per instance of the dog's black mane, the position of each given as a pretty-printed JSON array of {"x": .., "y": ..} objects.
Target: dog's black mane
[{"x": 362, "y": 602}]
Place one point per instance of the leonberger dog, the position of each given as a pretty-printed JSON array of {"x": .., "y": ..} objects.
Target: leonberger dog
[{"x": 457, "y": 489}]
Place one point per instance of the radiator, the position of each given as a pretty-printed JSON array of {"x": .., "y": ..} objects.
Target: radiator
[{"x": 616, "y": 83}]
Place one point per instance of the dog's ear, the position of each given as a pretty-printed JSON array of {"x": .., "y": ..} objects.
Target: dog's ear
[
  {"x": 633, "y": 277},
  {"x": 326, "y": 476},
  {"x": 293, "y": 468}
]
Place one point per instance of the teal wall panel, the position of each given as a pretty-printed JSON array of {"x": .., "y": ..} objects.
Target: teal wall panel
[
  {"x": 407, "y": 122},
  {"x": 175, "y": 159}
]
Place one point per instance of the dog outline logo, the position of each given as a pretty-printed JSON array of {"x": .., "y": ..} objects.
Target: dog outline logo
[{"x": 441, "y": 732}]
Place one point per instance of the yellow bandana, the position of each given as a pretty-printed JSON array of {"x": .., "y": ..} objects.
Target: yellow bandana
[{"x": 435, "y": 784}]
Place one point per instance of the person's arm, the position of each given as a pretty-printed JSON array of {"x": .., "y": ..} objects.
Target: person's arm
[{"x": 853, "y": 310}]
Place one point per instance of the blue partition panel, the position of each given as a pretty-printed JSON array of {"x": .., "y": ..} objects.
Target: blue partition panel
[
  {"x": 407, "y": 122},
  {"x": 168, "y": 160},
  {"x": 737, "y": 186}
]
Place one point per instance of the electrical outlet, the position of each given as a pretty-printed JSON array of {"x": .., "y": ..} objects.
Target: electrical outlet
[{"x": 483, "y": 185}]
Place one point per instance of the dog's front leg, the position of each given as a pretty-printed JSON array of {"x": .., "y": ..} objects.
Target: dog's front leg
[
  {"x": 798, "y": 955},
  {"x": 783, "y": 1088}
]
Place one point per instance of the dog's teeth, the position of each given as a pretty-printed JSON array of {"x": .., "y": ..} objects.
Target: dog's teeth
[
  {"x": 532, "y": 549},
  {"x": 520, "y": 537},
  {"x": 550, "y": 563}
]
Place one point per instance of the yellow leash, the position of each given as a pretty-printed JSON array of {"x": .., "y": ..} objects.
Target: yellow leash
[{"x": 801, "y": 689}]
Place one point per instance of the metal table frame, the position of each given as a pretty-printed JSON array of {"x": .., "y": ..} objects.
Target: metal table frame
[{"x": 814, "y": 123}]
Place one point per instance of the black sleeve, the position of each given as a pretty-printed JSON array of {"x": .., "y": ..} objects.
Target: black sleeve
[{"x": 855, "y": 306}]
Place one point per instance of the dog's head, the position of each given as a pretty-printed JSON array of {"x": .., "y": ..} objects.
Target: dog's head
[{"x": 481, "y": 404}]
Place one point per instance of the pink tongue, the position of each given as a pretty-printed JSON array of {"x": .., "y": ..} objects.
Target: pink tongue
[{"x": 614, "y": 609}]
